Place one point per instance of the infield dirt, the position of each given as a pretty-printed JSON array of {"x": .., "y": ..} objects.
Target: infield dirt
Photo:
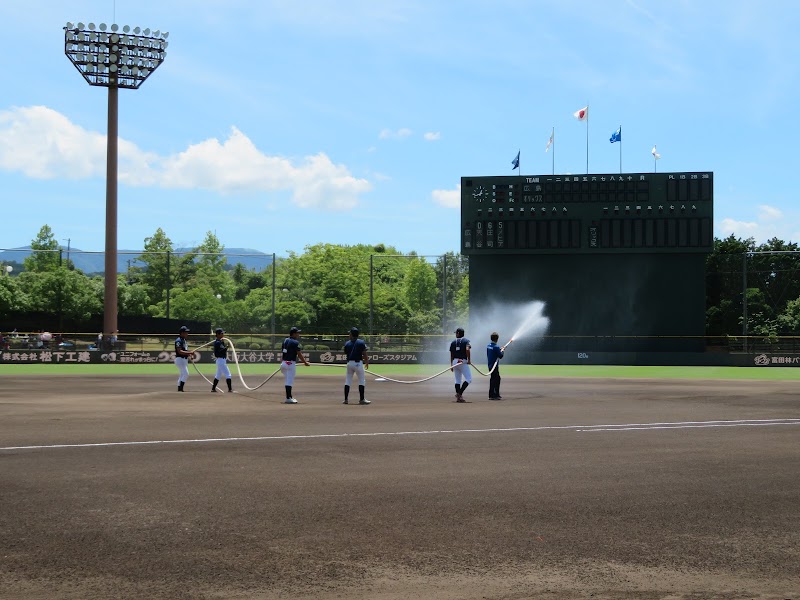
[{"x": 606, "y": 489}]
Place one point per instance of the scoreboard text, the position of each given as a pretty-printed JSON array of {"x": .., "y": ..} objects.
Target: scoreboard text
[{"x": 635, "y": 212}]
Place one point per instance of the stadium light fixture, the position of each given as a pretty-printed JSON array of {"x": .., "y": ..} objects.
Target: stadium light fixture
[{"x": 108, "y": 57}]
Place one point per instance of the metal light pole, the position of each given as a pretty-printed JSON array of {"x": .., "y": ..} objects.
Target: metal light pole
[{"x": 113, "y": 60}]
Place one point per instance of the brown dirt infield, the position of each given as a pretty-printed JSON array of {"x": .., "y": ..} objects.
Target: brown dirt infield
[{"x": 425, "y": 498}]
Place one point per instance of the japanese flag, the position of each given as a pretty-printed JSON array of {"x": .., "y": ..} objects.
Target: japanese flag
[{"x": 582, "y": 114}]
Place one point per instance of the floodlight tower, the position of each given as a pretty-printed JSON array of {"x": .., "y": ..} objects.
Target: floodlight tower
[{"x": 107, "y": 58}]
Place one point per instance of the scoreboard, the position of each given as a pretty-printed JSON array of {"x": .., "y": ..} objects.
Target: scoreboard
[{"x": 588, "y": 214}]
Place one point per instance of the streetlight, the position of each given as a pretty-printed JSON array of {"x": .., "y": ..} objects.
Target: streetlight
[
  {"x": 68, "y": 243},
  {"x": 8, "y": 270},
  {"x": 107, "y": 58}
]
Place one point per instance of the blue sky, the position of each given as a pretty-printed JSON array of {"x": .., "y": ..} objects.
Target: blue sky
[{"x": 279, "y": 124}]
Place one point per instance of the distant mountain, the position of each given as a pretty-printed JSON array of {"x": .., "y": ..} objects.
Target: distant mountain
[{"x": 94, "y": 262}]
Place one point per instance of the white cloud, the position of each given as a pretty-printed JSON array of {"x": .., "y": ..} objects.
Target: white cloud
[
  {"x": 388, "y": 134},
  {"x": 742, "y": 229},
  {"x": 770, "y": 223},
  {"x": 448, "y": 198},
  {"x": 432, "y": 136},
  {"x": 44, "y": 144},
  {"x": 769, "y": 213}
]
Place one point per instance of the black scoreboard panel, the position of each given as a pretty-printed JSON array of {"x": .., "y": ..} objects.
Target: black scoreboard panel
[{"x": 587, "y": 214}]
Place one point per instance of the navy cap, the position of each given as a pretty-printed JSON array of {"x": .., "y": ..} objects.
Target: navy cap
[
  {"x": 354, "y": 331},
  {"x": 184, "y": 328},
  {"x": 219, "y": 330},
  {"x": 460, "y": 330},
  {"x": 294, "y": 330}
]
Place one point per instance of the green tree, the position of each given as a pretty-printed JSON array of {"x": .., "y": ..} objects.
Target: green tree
[
  {"x": 420, "y": 285},
  {"x": 724, "y": 285},
  {"x": 62, "y": 292},
  {"x": 132, "y": 298},
  {"x": 45, "y": 256},
  {"x": 12, "y": 296},
  {"x": 154, "y": 273},
  {"x": 452, "y": 269},
  {"x": 210, "y": 270},
  {"x": 462, "y": 302},
  {"x": 197, "y": 303}
]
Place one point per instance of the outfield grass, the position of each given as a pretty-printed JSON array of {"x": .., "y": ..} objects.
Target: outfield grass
[{"x": 416, "y": 371}]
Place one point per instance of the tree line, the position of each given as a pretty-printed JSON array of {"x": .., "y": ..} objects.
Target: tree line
[
  {"x": 323, "y": 289},
  {"x": 751, "y": 289}
]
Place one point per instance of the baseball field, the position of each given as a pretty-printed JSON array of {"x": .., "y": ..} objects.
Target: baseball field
[{"x": 582, "y": 482}]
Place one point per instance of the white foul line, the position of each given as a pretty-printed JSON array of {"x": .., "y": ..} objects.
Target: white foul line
[{"x": 576, "y": 428}]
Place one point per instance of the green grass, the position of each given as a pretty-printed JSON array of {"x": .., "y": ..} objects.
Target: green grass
[{"x": 416, "y": 371}]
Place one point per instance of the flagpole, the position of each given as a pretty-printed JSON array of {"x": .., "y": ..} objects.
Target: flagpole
[
  {"x": 620, "y": 148},
  {"x": 587, "y": 139},
  {"x": 553, "y": 137}
]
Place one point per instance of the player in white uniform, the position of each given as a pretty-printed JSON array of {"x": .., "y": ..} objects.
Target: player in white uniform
[
  {"x": 182, "y": 356},
  {"x": 357, "y": 361},
  {"x": 460, "y": 359},
  {"x": 290, "y": 353},
  {"x": 221, "y": 358}
]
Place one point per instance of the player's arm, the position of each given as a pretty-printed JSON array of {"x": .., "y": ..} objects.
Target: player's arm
[
  {"x": 365, "y": 358},
  {"x": 469, "y": 354},
  {"x": 302, "y": 358}
]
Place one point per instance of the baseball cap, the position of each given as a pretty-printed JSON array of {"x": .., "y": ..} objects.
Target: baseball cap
[
  {"x": 294, "y": 330},
  {"x": 184, "y": 328},
  {"x": 354, "y": 331},
  {"x": 459, "y": 330},
  {"x": 219, "y": 330}
]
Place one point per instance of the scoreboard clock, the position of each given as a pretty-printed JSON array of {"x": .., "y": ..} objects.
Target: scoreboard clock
[{"x": 588, "y": 214}]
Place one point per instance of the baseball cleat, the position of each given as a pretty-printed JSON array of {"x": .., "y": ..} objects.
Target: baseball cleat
[
  {"x": 345, "y": 402},
  {"x": 364, "y": 401},
  {"x": 290, "y": 401}
]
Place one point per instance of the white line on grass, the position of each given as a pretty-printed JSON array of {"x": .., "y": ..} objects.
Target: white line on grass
[{"x": 576, "y": 428}]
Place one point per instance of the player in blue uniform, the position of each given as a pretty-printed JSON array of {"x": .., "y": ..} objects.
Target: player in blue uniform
[
  {"x": 357, "y": 362},
  {"x": 493, "y": 355},
  {"x": 290, "y": 353},
  {"x": 221, "y": 358},
  {"x": 182, "y": 355},
  {"x": 460, "y": 361}
]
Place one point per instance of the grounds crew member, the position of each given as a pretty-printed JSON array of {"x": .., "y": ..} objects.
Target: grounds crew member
[{"x": 493, "y": 355}]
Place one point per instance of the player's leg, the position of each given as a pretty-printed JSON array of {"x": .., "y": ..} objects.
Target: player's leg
[
  {"x": 348, "y": 380},
  {"x": 362, "y": 383},
  {"x": 227, "y": 373},
  {"x": 467, "y": 378},
  {"x": 458, "y": 376}
]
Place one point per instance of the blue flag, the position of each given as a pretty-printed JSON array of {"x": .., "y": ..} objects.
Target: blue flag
[
  {"x": 515, "y": 162},
  {"x": 616, "y": 136}
]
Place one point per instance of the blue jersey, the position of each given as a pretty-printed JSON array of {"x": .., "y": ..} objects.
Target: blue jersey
[
  {"x": 180, "y": 344},
  {"x": 355, "y": 350},
  {"x": 289, "y": 349},
  {"x": 458, "y": 348},
  {"x": 220, "y": 349},
  {"x": 493, "y": 353}
]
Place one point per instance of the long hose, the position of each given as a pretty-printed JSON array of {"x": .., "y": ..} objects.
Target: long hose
[{"x": 372, "y": 373}]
